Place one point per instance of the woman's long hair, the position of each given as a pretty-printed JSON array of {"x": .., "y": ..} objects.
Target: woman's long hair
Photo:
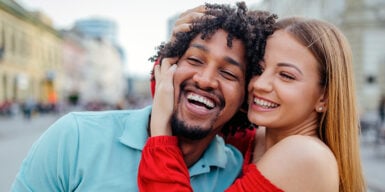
[{"x": 339, "y": 125}]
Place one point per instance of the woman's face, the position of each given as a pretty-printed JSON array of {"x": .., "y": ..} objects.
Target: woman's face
[{"x": 287, "y": 92}]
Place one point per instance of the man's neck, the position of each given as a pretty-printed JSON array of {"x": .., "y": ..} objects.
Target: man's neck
[{"x": 192, "y": 150}]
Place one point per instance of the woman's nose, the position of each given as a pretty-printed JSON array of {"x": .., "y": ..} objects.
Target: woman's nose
[{"x": 261, "y": 82}]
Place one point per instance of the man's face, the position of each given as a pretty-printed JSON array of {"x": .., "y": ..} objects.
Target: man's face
[{"x": 209, "y": 86}]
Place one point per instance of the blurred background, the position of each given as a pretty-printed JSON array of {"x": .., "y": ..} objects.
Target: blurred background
[{"x": 60, "y": 56}]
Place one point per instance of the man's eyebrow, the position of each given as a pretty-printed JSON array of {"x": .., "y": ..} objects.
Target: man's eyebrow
[
  {"x": 199, "y": 46},
  {"x": 227, "y": 59},
  {"x": 290, "y": 65},
  {"x": 232, "y": 61}
]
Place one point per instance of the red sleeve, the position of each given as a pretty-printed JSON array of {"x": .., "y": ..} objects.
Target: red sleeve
[{"x": 162, "y": 167}]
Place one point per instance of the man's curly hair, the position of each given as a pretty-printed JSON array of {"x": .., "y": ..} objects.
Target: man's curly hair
[{"x": 251, "y": 27}]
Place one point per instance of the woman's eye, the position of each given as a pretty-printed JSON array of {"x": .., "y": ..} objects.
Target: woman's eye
[{"x": 287, "y": 76}]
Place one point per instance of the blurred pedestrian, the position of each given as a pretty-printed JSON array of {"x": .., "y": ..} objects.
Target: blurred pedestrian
[
  {"x": 380, "y": 128},
  {"x": 381, "y": 109},
  {"x": 28, "y": 107},
  {"x": 15, "y": 107}
]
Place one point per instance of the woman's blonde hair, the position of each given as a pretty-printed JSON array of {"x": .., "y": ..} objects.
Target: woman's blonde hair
[{"x": 339, "y": 125}]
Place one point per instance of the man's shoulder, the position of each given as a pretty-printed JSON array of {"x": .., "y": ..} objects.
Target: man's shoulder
[
  {"x": 111, "y": 116},
  {"x": 90, "y": 121}
]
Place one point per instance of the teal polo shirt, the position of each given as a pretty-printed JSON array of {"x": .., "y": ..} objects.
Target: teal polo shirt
[{"x": 101, "y": 151}]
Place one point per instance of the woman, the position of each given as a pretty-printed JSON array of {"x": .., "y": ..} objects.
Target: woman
[{"x": 304, "y": 98}]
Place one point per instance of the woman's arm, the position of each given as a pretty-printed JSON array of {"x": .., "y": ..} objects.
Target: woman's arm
[{"x": 162, "y": 168}]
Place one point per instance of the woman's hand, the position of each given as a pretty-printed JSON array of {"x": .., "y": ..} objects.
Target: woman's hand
[
  {"x": 163, "y": 103},
  {"x": 185, "y": 19}
]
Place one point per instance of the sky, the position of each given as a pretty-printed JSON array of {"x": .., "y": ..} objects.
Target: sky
[{"x": 142, "y": 24}]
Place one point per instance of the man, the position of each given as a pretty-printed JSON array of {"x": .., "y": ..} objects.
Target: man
[{"x": 100, "y": 151}]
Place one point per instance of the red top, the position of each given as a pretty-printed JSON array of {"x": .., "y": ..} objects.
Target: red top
[{"x": 172, "y": 174}]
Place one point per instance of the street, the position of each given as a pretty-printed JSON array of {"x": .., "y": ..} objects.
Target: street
[
  {"x": 18, "y": 134},
  {"x": 16, "y": 137},
  {"x": 373, "y": 159}
]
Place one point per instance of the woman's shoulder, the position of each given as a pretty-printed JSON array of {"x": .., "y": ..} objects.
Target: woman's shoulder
[
  {"x": 300, "y": 163},
  {"x": 304, "y": 145}
]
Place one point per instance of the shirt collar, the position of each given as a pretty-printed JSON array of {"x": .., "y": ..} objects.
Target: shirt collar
[
  {"x": 135, "y": 132},
  {"x": 215, "y": 155}
]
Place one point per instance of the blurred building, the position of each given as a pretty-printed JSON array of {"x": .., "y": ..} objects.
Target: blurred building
[
  {"x": 93, "y": 63},
  {"x": 30, "y": 55},
  {"x": 170, "y": 24},
  {"x": 74, "y": 67},
  {"x": 363, "y": 23},
  {"x": 138, "y": 94},
  {"x": 99, "y": 28}
]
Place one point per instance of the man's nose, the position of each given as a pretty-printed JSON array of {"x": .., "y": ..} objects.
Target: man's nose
[{"x": 206, "y": 78}]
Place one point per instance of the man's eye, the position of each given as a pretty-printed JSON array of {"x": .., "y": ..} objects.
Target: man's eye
[
  {"x": 229, "y": 75},
  {"x": 194, "y": 61}
]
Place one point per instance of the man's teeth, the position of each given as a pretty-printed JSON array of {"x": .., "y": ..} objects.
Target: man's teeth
[
  {"x": 264, "y": 104},
  {"x": 197, "y": 98}
]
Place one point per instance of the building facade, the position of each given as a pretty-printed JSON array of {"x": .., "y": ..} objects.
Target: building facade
[{"x": 30, "y": 55}]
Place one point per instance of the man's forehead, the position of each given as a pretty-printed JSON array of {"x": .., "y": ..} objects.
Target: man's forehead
[{"x": 231, "y": 43}]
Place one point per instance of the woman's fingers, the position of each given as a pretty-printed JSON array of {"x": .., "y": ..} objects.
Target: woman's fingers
[
  {"x": 163, "y": 103},
  {"x": 198, "y": 9},
  {"x": 160, "y": 71},
  {"x": 182, "y": 24},
  {"x": 167, "y": 63}
]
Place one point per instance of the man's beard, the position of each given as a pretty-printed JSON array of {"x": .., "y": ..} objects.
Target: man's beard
[{"x": 182, "y": 129}]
